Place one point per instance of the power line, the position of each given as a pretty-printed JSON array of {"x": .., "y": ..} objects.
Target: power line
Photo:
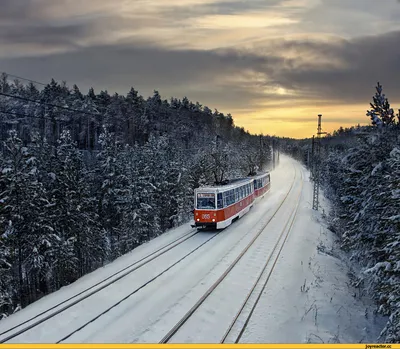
[
  {"x": 19, "y": 77},
  {"x": 49, "y": 104}
]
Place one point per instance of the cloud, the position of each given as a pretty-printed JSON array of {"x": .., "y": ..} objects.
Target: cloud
[
  {"x": 352, "y": 18},
  {"x": 29, "y": 26},
  {"x": 361, "y": 62},
  {"x": 117, "y": 68},
  {"x": 231, "y": 79},
  {"x": 44, "y": 34},
  {"x": 278, "y": 56}
]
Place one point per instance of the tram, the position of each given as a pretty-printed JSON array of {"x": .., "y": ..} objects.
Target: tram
[{"x": 217, "y": 207}]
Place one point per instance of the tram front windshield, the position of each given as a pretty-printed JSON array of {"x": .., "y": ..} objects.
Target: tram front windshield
[{"x": 205, "y": 201}]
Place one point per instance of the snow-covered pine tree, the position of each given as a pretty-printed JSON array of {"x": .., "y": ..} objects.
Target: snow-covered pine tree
[
  {"x": 162, "y": 173},
  {"x": 81, "y": 245},
  {"x": 6, "y": 275},
  {"x": 384, "y": 271},
  {"x": 24, "y": 219},
  {"x": 134, "y": 113},
  {"x": 141, "y": 215},
  {"x": 381, "y": 113},
  {"x": 111, "y": 192}
]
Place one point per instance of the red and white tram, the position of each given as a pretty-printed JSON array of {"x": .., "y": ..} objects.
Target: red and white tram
[
  {"x": 262, "y": 184},
  {"x": 217, "y": 207}
]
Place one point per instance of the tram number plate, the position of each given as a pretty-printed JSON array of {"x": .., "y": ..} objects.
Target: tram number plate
[{"x": 206, "y": 216}]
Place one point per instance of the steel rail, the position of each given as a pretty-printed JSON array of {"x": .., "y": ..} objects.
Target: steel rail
[{"x": 192, "y": 310}]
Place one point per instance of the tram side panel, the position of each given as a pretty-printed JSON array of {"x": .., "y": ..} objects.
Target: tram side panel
[
  {"x": 262, "y": 185},
  {"x": 230, "y": 204}
]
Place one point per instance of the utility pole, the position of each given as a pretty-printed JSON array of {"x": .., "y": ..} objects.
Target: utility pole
[
  {"x": 317, "y": 161},
  {"x": 312, "y": 159}
]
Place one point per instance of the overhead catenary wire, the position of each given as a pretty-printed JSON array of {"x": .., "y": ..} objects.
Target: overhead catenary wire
[
  {"x": 48, "y": 104},
  {"x": 26, "y": 79}
]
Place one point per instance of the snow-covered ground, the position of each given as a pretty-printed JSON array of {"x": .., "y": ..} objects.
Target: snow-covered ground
[
  {"x": 309, "y": 298},
  {"x": 306, "y": 298}
]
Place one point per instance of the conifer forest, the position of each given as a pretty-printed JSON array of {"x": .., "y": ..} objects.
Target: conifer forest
[{"x": 87, "y": 177}]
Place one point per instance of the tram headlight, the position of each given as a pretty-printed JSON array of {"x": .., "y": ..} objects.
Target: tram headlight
[
  {"x": 213, "y": 220},
  {"x": 198, "y": 219}
]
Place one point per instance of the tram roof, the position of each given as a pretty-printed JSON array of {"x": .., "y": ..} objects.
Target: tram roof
[{"x": 224, "y": 187}]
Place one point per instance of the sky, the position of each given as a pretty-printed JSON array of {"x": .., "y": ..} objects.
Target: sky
[{"x": 273, "y": 64}]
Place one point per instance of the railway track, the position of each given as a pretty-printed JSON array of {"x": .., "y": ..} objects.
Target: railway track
[
  {"x": 157, "y": 276},
  {"x": 63, "y": 306},
  {"x": 82, "y": 295},
  {"x": 240, "y": 322},
  {"x": 134, "y": 291},
  {"x": 213, "y": 287}
]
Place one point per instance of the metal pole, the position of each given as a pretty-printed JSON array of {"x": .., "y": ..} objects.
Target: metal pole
[
  {"x": 317, "y": 147},
  {"x": 312, "y": 159}
]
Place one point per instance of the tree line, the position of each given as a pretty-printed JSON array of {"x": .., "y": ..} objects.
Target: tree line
[
  {"x": 86, "y": 178},
  {"x": 360, "y": 174}
]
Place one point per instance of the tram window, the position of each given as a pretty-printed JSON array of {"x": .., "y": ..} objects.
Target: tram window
[
  {"x": 219, "y": 201},
  {"x": 205, "y": 201},
  {"x": 229, "y": 198}
]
